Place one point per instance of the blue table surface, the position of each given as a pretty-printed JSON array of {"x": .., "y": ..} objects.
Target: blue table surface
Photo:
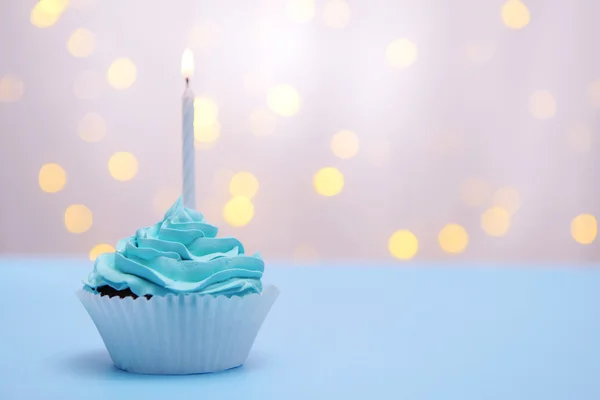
[{"x": 336, "y": 332}]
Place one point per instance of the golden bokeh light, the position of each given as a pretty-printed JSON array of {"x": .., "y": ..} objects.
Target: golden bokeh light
[
  {"x": 403, "y": 245},
  {"x": 92, "y": 128},
  {"x": 123, "y": 166},
  {"x": 78, "y": 218},
  {"x": 81, "y": 43},
  {"x": 594, "y": 94},
  {"x": 100, "y": 249},
  {"x": 88, "y": 85},
  {"x": 401, "y": 53},
  {"x": 301, "y": 11},
  {"x": 122, "y": 73},
  {"x": 542, "y": 104},
  {"x": 474, "y": 192},
  {"x": 262, "y": 122},
  {"x": 206, "y": 112},
  {"x": 52, "y": 178},
  {"x": 495, "y": 221},
  {"x": 206, "y": 135},
  {"x": 328, "y": 181},
  {"x": 243, "y": 184},
  {"x": 284, "y": 100},
  {"x": 507, "y": 198},
  {"x": 163, "y": 199},
  {"x": 205, "y": 35},
  {"x": 238, "y": 211},
  {"x": 378, "y": 152},
  {"x": 580, "y": 138},
  {"x": 336, "y": 14},
  {"x": 345, "y": 144},
  {"x": 453, "y": 239},
  {"x": 46, "y": 12},
  {"x": 11, "y": 89},
  {"x": 515, "y": 14},
  {"x": 480, "y": 52},
  {"x": 584, "y": 228}
]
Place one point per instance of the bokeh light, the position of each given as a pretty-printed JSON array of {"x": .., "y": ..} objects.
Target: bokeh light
[
  {"x": 453, "y": 239},
  {"x": 123, "y": 166},
  {"x": 81, "y": 43},
  {"x": 345, "y": 144},
  {"x": 206, "y": 112},
  {"x": 284, "y": 100},
  {"x": 301, "y": 11},
  {"x": 243, "y": 184},
  {"x": 515, "y": 14},
  {"x": 580, "y": 138},
  {"x": 336, "y": 14},
  {"x": 92, "y": 128},
  {"x": 206, "y": 135},
  {"x": 378, "y": 152},
  {"x": 480, "y": 52},
  {"x": 584, "y": 228},
  {"x": 46, "y": 12},
  {"x": 495, "y": 221},
  {"x": 122, "y": 73},
  {"x": 507, "y": 198},
  {"x": 262, "y": 122},
  {"x": 328, "y": 181},
  {"x": 401, "y": 53},
  {"x": 594, "y": 94},
  {"x": 475, "y": 191},
  {"x": 238, "y": 211},
  {"x": 403, "y": 245},
  {"x": 88, "y": 85},
  {"x": 542, "y": 104},
  {"x": 52, "y": 178},
  {"x": 78, "y": 218},
  {"x": 100, "y": 249},
  {"x": 11, "y": 89}
]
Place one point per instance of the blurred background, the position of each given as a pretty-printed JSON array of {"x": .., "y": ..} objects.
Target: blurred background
[{"x": 381, "y": 130}]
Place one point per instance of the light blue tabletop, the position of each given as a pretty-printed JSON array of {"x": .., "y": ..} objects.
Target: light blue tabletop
[{"x": 435, "y": 332}]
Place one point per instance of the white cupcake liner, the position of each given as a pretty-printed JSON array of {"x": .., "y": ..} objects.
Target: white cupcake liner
[{"x": 179, "y": 334}]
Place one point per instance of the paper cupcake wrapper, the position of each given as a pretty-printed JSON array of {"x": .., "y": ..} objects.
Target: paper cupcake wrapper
[{"x": 179, "y": 334}]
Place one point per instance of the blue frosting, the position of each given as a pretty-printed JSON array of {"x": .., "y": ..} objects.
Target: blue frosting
[{"x": 180, "y": 254}]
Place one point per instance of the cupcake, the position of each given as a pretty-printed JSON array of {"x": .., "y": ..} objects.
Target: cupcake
[{"x": 175, "y": 299}]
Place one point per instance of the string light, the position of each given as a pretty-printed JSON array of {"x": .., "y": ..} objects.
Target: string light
[
  {"x": 401, "y": 53},
  {"x": 495, "y": 221},
  {"x": 81, "y": 43},
  {"x": 584, "y": 228},
  {"x": 123, "y": 166},
  {"x": 122, "y": 73},
  {"x": 515, "y": 14},
  {"x": 345, "y": 144},
  {"x": 403, "y": 245},
  {"x": 284, "y": 100},
  {"x": 78, "y": 218},
  {"x": 453, "y": 239},
  {"x": 52, "y": 178},
  {"x": 328, "y": 181},
  {"x": 100, "y": 249},
  {"x": 92, "y": 128},
  {"x": 243, "y": 184},
  {"x": 238, "y": 211}
]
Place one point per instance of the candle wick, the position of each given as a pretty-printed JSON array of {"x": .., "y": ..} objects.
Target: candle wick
[{"x": 187, "y": 82}]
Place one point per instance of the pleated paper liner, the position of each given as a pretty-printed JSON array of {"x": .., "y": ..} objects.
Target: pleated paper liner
[{"x": 179, "y": 334}]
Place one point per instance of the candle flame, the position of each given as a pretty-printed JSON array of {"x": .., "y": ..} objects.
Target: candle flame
[{"x": 187, "y": 64}]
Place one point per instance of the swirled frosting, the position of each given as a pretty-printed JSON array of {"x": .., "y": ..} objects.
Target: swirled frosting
[{"x": 180, "y": 254}]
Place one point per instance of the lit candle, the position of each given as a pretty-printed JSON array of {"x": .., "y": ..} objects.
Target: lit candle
[{"x": 189, "y": 167}]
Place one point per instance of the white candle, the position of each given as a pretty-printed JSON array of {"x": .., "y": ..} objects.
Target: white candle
[{"x": 188, "y": 151}]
